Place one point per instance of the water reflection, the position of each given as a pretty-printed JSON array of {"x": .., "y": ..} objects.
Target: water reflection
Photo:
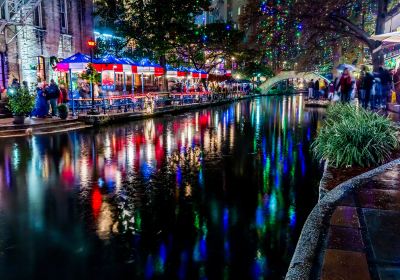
[{"x": 220, "y": 193}]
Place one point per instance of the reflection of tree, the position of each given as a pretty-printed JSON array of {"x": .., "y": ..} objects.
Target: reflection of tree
[{"x": 188, "y": 160}]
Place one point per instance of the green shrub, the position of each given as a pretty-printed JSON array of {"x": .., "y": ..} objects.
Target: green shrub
[
  {"x": 282, "y": 91},
  {"x": 353, "y": 136},
  {"x": 63, "y": 111},
  {"x": 20, "y": 101}
]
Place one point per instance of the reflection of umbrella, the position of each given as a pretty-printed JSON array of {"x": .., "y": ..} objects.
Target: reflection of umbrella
[{"x": 351, "y": 68}]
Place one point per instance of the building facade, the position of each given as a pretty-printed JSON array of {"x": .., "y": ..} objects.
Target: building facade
[
  {"x": 35, "y": 34},
  {"x": 223, "y": 11}
]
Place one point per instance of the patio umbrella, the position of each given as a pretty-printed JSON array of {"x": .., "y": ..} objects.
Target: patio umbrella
[
  {"x": 351, "y": 68},
  {"x": 75, "y": 63},
  {"x": 110, "y": 63},
  {"x": 393, "y": 37}
]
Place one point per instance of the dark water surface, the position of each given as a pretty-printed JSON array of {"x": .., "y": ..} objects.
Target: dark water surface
[{"x": 219, "y": 193}]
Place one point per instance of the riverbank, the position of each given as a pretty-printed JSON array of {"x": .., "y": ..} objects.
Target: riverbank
[
  {"x": 337, "y": 229},
  {"x": 332, "y": 235},
  {"x": 33, "y": 126}
]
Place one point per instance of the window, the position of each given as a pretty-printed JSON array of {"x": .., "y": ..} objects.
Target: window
[
  {"x": 63, "y": 16},
  {"x": 38, "y": 16},
  {"x": 2, "y": 72},
  {"x": 41, "y": 70},
  {"x": 239, "y": 11}
]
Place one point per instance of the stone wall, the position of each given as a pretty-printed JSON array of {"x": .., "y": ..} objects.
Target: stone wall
[{"x": 47, "y": 41}]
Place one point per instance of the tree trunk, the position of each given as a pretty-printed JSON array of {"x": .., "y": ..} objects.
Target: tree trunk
[
  {"x": 163, "y": 63},
  {"x": 377, "y": 57},
  {"x": 337, "y": 54},
  {"x": 377, "y": 60},
  {"x": 381, "y": 16}
]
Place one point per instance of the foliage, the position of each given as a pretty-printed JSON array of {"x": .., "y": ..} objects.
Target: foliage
[
  {"x": 21, "y": 102},
  {"x": 210, "y": 45},
  {"x": 154, "y": 26},
  {"x": 253, "y": 69},
  {"x": 309, "y": 32},
  {"x": 63, "y": 111},
  {"x": 90, "y": 74},
  {"x": 354, "y": 136},
  {"x": 62, "y": 108},
  {"x": 282, "y": 91}
]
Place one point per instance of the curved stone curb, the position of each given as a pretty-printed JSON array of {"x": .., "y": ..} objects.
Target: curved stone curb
[{"x": 306, "y": 249}]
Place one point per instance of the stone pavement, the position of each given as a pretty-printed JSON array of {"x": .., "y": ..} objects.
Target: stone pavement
[{"x": 363, "y": 239}]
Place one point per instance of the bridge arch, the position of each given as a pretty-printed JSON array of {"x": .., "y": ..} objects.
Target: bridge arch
[{"x": 286, "y": 75}]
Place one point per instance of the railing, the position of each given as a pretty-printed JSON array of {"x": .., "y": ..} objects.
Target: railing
[{"x": 146, "y": 102}]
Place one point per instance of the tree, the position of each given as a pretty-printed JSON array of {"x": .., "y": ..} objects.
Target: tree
[
  {"x": 316, "y": 27},
  {"x": 156, "y": 27},
  {"x": 210, "y": 45}
]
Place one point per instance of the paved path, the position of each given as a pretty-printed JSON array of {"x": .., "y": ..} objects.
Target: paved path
[{"x": 363, "y": 240}]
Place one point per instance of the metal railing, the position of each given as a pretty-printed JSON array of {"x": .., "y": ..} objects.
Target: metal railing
[{"x": 148, "y": 102}]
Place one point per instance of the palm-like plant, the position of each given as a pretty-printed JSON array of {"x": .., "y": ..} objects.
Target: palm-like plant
[{"x": 353, "y": 136}]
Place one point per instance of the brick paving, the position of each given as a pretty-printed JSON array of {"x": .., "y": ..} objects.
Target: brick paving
[{"x": 363, "y": 240}]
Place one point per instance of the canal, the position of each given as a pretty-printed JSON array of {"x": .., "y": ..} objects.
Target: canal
[{"x": 217, "y": 193}]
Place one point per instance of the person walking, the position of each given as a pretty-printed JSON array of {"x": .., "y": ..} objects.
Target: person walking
[
  {"x": 345, "y": 85},
  {"x": 311, "y": 89},
  {"x": 396, "y": 82},
  {"x": 52, "y": 94},
  {"x": 386, "y": 86},
  {"x": 13, "y": 88},
  {"x": 316, "y": 89},
  {"x": 366, "y": 84},
  {"x": 331, "y": 89},
  {"x": 41, "y": 106}
]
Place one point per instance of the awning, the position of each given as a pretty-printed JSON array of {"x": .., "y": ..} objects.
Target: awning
[
  {"x": 387, "y": 39},
  {"x": 392, "y": 37},
  {"x": 76, "y": 63},
  {"x": 110, "y": 63}
]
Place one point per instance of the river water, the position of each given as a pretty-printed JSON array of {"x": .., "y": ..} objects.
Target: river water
[{"x": 218, "y": 193}]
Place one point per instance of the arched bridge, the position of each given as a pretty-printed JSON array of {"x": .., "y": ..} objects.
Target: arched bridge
[{"x": 285, "y": 75}]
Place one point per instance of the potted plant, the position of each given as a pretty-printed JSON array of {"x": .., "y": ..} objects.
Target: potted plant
[
  {"x": 21, "y": 103},
  {"x": 63, "y": 111}
]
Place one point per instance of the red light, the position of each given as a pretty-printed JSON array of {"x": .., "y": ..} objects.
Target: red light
[{"x": 91, "y": 43}]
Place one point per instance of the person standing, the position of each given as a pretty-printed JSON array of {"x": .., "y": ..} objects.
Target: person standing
[
  {"x": 41, "y": 106},
  {"x": 396, "y": 82},
  {"x": 13, "y": 88},
  {"x": 52, "y": 94},
  {"x": 386, "y": 85},
  {"x": 316, "y": 89},
  {"x": 345, "y": 84},
  {"x": 331, "y": 87},
  {"x": 311, "y": 89},
  {"x": 366, "y": 84},
  {"x": 63, "y": 95}
]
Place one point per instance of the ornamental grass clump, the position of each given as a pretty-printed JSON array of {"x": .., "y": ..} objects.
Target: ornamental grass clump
[{"x": 353, "y": 136}]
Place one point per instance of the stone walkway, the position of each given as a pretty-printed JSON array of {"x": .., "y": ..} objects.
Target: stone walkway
[
  {"x": 7, "y": 122},
  {"x": 363, "y": 240}
]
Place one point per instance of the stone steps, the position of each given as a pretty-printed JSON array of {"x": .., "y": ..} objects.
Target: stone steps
[{"x": 55, "y": 127}]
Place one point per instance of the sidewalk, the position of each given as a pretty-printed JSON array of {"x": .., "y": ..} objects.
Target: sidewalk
[{"x": 363, "y": 240}]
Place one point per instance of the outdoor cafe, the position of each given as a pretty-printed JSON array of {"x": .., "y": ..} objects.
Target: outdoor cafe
[{"x": 125, "y": 84}]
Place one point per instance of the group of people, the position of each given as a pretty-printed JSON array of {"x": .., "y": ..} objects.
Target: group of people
[
  {"x": 318, "y": 89},
  {"x": 372, "y": 89},
  {"x": 49, "y": 96}
]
